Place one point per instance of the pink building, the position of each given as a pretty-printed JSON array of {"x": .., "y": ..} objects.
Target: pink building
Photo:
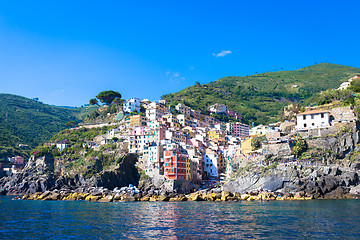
[
  {"x": 17, "y": 160},
  {"x": 241, "y": 130}
]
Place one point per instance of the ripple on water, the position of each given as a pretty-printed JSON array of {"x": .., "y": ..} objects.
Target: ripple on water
[{"x": 179, "y": 220}]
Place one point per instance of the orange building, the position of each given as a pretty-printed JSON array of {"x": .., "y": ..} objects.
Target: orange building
[{"x": 175, "y": 165}]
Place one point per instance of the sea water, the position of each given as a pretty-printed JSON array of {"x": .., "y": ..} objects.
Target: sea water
[{"x": 315, "y": 219}]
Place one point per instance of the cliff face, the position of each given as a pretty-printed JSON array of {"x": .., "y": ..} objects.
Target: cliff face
[
  {"x": 341, "y": 140},
  {"x": 38, "y": 176},
  {"x": 319, "y": 181},
  {"x": 330, "y": 167}
]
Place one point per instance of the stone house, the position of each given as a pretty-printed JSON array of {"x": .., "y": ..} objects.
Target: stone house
[{"x": 342, "y": 114}]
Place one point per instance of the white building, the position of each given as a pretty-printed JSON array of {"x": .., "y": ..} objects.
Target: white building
[
  {"x": 153, "y": 124},
  {"x": 259, "y": 130},
  {"x": 183, "y": 109},
  {"x": 312, "y": 119},
  {"x": 220, "y": 127},
  {"x": 113, "y": 133},
  {"x": 344, "y": 85},
  {"x": 218, "y": 108},
  {"x": 131, "y": 105},
  {"x": 155, "y": 111},
  {"x": 211, "y": 164},
  {"x": 61, "y": 146}
]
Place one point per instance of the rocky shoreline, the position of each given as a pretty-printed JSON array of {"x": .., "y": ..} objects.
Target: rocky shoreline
[
  {"x": 39, "y": 181},
  {"x": 132, "y": 194}
]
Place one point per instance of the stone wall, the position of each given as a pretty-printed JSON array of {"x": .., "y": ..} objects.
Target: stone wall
[
  {"x": 280, "y": 149},
  {"x": 340, "y": 139}
]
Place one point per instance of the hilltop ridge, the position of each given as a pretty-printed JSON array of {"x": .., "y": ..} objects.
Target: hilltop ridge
[
  {"x": 30, "y": 122},
  {"x": 261, "y": 97}
]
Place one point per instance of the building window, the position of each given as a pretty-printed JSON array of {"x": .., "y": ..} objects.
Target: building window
[
  {"x": 304, "y": 124},
  {"x": 304, "y": 117},
  {"x": 312, "y": 116},
  {"x": 313, "y": 124},
  {"x": 322, "y": 115}
]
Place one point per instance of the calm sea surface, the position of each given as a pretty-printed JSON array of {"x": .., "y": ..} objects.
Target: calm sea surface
[{"x": 326, "y": 219}]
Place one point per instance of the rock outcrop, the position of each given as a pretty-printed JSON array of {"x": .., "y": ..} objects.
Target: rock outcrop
[
  {"x": 38, "y": 176},
  {"x": 319, "y": 182}
]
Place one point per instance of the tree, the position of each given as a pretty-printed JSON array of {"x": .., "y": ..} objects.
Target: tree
[
  {"x": 355, "y": 85},
  {"x": 118, "y": 101},
  {"x": 93, "y": 101},
  {"x": 256, "y": 142},
  {"x": 70, "y": 124},
  {"x": 108, "y": 96},
  {"x": 299, "y": 147}
]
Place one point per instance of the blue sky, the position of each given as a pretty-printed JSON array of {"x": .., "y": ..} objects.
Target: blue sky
[{"x": 65, "y": 52}]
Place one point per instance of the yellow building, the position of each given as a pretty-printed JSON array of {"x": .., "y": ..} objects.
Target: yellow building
[
  {"x": 246, "y": 146},
  {"x": 174, "y": 122},
  {"x": 190, "y": 131},
  {"x": 188, "y": 169},
  {"x": 215, "y": 134},
  {"x": 137, "y": 121}
]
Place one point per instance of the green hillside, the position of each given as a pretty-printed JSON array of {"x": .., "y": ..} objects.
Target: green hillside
[
  {"x": 25, "y": 121},
  {"x": 260, "y": 98}
]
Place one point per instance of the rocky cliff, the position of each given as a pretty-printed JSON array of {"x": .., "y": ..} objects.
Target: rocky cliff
[
  {"x": 317, "y": 181},
  {"x": 38, "y": 176}
]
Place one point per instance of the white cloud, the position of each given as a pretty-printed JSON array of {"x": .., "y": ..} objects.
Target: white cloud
[
  {"x": 223, "y": 53},
  {"x": 175, "y": 77}
]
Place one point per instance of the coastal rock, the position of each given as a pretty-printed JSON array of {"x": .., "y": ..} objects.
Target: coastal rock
[
  {"x": 53, "y": 197},
  {"x": 92, "y": 198},
  {"x": 338, "y": 193},
  {"x": 106, "y": 199},
  {"x": 145, "y": 199},
  {"x": 164, "y": 198},
  {"x": 38, "y": 176},
  {"x": 271, "y": 181},
  {"x": 195, "y": 197},
  {"x": 355, "y": 190}
]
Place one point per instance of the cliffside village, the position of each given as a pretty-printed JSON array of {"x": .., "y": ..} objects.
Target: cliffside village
[
  {"x": 189, "y": 145},
  {"x": 183, "y": 146}
]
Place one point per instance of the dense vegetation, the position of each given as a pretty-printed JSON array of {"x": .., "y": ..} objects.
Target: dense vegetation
[
  {"x": 30, "y": 122},
  {"x": 77, "y": 156},
  {"x": 261, "y": 98}
]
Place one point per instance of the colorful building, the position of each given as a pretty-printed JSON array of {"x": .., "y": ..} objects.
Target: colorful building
[
  {"x": 218, "y": 108},
  {"x": 155, "y": 111},
  {"x": 188, "y": 169},
  {"x": 246, "y": 146},
  {"x": 241, "y": 130},
  {"x": 175, "y": 164},
  {"x": 184, "y": 120},
  {"x": 137, "y": 121},
  {"x": 183, "y": 109},
  {"x": 215, "y": 134},
  {"x": 213, "y": 163}
]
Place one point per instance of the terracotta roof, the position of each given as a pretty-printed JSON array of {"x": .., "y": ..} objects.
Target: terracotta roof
[{"x": 312, "y": 112}]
